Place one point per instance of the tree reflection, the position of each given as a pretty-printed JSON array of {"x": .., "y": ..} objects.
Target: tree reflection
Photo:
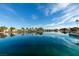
[
  {"x": 22, "y": 34},
  {"x": 12, "y": 34},
  {"x": 3, "y": 35},
  {"x": 39, "y": 33},
  {"x": 64, "y": 32}
]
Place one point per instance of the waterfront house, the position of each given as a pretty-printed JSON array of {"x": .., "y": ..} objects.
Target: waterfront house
[
  {"x": 64, "y": 30},
  {"x": 74, "y": 31},
  {"x": 3, "y": 29}
]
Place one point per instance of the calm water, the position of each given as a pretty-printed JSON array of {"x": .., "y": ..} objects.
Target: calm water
[{"x": 47, "y": 44}]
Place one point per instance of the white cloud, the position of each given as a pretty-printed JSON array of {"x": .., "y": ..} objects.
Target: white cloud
[
  {"x": 74, "y": 19},
  {"x": 59, "y": 6},
  {"x": 34, "y": 17},
  {"x": 47, "y": 11},
  {"x": 68, "y": 15},
  {"x": 52, "y": 8}
]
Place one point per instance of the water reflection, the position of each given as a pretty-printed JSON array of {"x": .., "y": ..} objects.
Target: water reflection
[
  {"x": 74, "y": 36},
  {"x": 76, "y": 39},
  {"x": 3, "y": 35},
  {"x": 64, "y": 32},
  {"x": 47, "y": 44},
  {"x": 39, "y": 33},
  {"x": 12, "y": 34}
]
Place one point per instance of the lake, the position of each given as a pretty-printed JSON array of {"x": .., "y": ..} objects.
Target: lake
[{"x": 34, "y": 44}]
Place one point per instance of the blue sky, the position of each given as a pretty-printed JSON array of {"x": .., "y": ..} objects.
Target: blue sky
[{"x": 47, "y": 15}]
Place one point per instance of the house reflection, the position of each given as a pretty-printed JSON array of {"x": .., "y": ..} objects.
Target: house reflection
[
  {"x": 77, "y": 37},
  {"x": 3, "y": 35},
  {"x": 64, "y": 32}
]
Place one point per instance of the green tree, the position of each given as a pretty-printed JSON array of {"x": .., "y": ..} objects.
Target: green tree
[
  {"x": 12, "y": 28},
  {"x": 3, "y": 28},
  {"x": 23, "y": 29},
  {"x": 40, "y": 29}
]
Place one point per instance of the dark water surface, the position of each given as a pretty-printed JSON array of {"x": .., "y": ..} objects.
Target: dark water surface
[{"x": 47, "y": 44}]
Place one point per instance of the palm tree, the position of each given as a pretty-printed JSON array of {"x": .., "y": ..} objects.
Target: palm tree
[{"x": 77, "y": 21}]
